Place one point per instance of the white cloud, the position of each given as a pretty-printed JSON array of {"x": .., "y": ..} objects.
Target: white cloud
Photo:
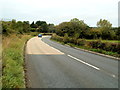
[{"x": 57, "y": 11}]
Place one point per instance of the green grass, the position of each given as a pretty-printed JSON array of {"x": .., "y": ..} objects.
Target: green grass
[
  {"x": 13, "y": 70},
  {"x": 91, "y": 49},
  {"x": 110, "y": 41}
]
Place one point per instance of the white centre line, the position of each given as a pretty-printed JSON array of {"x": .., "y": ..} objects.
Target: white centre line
[
  {"x": 84, "y": 62},
  {"x": 113, "y": 76}
]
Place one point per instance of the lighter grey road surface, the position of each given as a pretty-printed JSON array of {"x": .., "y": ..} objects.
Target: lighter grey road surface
[{"x": 52, "y": 65}]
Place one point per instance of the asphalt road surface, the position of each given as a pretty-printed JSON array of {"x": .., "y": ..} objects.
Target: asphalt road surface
[{"x": 52, "y": 65}]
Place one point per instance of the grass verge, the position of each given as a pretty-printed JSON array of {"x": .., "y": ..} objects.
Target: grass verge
[
  {"x": 13, "y": 71},
  {"x": 115, "y": 54},
  {"x": 110, "y": 41}
]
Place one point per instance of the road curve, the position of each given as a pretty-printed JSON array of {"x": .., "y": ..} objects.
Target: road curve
[{"x": 52, "y": 65}]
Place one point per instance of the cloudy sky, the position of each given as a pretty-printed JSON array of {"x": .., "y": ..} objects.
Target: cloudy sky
[{"x": 57, "y": 11}]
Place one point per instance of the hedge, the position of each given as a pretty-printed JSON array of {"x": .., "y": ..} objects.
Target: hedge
[{"x": 107, "y": 46}]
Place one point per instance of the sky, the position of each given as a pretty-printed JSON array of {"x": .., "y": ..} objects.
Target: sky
[{"x": 58, "y": 11}]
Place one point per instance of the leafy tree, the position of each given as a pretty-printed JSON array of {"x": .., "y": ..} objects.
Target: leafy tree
[
  {"x": 39, "y": 23},
  {"x": 118, "y": 33},
  {"x": 63, "y": 28},
  {"x": 33, "y": 25},
  {"x": 76, "y": 35},
  {"x": 51, "y": 28},
  {"x": 105, "y": 24},
  {"x": 15, "y": 27},
  {"x": 95, "y": 33},
  {"x": 26, "y": 26},
  {"x": 79, "y": 27},
  {"x": 66, "y": 38},
  {"x": 106, "y": 28},
  {"x": 19, "y": 27},
  {"x": 42, "y": 26}
]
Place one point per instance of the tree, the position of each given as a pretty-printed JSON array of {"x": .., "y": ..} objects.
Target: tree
[
  {"x": 74, "y": 26},
  {"x": 106, "y": 29},
  {"x": 104, "y": 24},
  {"x": 42, "y": 26},
  {"x": 51, "y": 28},
  {"x": 95, "y": 33},
  {"x": 33, "y": 25},
  {"x": 63, "y": 28},
  {"x": 118, "y": 33},
  {"x": 39, "y": 23},
  {"x": 19, "y": 26},
  {"x": 79, "y": 27},
  {"x": 26, "y": 26}
]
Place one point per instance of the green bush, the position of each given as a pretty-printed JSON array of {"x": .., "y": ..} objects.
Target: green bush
[
  {"x": 57, "y": 38},
  {"x": 81, "y": 42},
  {"x": 97, "y": 46},
  {"x": 118, "y": 48},
  {"x": 66, "y": 38},
  {"x": 113, "y": 47}
]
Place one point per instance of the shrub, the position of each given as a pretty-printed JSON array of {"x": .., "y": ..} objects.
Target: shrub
[
  {"x": 118, "y": 48},
  {"x": 57, "y": 38},
  {"x": 95, "y": 44},
  {"x": 81, "y": 42},
  {"x": 66, "y": 38}
]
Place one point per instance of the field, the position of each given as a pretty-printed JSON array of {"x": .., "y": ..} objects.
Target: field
[
  {"x": 13, "y": 71},
  {"x": 111, "y": 41}
]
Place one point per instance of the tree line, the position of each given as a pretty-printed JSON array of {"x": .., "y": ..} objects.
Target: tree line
[
  {"x": 78, "y": 29},
  {"x": 74, "y": 28},
  {"x": 21, "y": 27}
]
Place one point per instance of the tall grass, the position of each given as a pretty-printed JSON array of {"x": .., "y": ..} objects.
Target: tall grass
[{"x": 13, "y": 71}]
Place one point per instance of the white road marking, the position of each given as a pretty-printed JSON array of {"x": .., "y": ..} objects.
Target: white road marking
[
  {"x": 51, "y": 46},
  {"x": 113, "y": 75},
  {"x": 84, "y": 62}
]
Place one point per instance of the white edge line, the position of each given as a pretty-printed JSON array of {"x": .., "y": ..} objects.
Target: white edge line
[
  {"x": 84, "y": 62},
  {"x": 113, "y": 76},
  {"x": 52, "y": 47}
]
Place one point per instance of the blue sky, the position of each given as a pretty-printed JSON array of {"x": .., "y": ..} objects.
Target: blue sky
[{"x": 57, "y": 11}]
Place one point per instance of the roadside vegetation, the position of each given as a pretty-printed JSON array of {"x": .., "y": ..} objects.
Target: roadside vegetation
[
  {"x": 13, "y": 61},
  {"x": 100, "y": 46},
  {"x": 15, "y": 35},
  {"x": 103, "y": 38}
]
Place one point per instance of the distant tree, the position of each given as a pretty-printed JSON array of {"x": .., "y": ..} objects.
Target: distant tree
[
  {"x": 19, "y": 27},
  {"x": 33, "y": 25},
  {"x": 105, "y": 24},
  {"x": 42, "y": 26},
  {"x": 63, "y": 28},
  {"x": 118, "y": 33},
  {"x": 39, "y": 23},
  {"x": 72, "y": 28},
  {"x": 106, "y": 28},
  {"x": 51, "y": 28},
  {"x": 26, "y": 26},
  {"x": 95, "y": 33},
  {"x": 79, "y": 27}
]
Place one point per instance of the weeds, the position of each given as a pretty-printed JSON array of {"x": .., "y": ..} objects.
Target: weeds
[{"x": 13, "y": 72}]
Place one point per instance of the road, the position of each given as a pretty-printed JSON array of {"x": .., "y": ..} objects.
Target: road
[{"x": 52, "y": 65}]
